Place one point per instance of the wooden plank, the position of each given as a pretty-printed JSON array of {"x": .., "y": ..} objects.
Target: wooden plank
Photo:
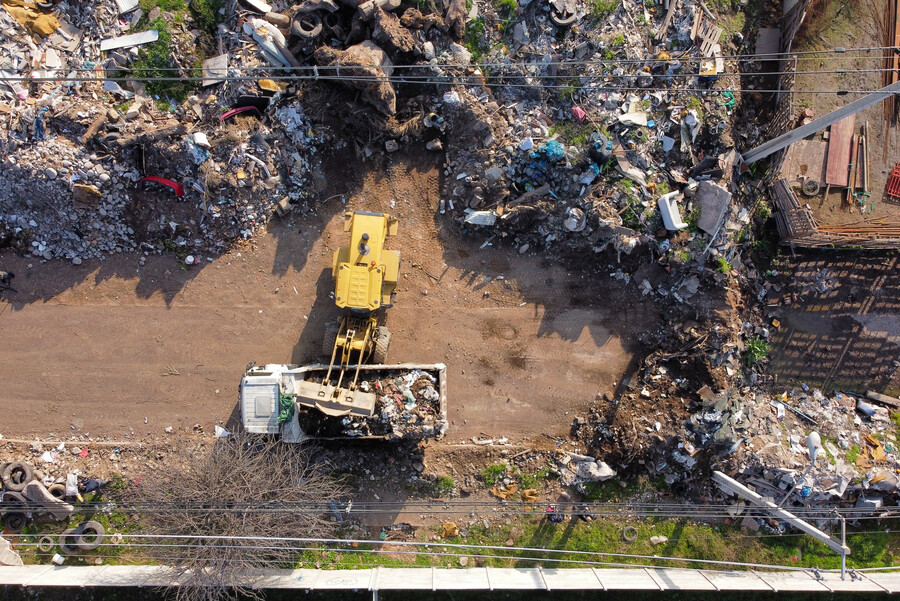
[
  {"x": 883, "y": 398},
  {"x": 837, "y": 163}
]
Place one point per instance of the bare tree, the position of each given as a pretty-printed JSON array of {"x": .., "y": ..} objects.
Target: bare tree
[{"x": 249, "y": 490}]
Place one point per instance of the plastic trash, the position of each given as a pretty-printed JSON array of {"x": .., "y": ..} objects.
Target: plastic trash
[{"x": 668, "y": 209}]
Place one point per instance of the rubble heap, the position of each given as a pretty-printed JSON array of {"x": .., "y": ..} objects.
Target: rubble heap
[{"x": 408, "y": 407}]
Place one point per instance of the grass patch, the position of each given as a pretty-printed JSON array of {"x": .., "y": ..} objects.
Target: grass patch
[
  {"x": 692, "y": 219},
  {"x": 206, "y": 14},
  {"x": 722, "y": 265},
  {"x": 755, "y": 350},
  {"x": 493, "y": 473},
  {"x": 527, "y": 481},
  {"x": 600, "y": 9},
  {"x": 475, "y": 40},
  {"x": 852, "y": 455},
  {"x": 154, "y": 60},
  {"x": 572, "y": 133}
]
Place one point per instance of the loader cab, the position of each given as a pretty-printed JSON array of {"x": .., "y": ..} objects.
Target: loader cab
[{"x": 365, "y": 273}]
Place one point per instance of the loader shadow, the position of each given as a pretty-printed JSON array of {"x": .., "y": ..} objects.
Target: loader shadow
[{"x": 309, "y": 347}]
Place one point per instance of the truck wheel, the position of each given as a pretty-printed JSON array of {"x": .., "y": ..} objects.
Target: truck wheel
[
  {"x": 331, "y": 334},
  {"x": 89, "y": 536},
  {"x": 382, "y": 343},
  {"x": 16, "y": 475}
]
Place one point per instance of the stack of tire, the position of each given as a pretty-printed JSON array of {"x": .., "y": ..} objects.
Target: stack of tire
[
  {"x": 15, "y": 509},
  {"x": 13, "y": 505}
]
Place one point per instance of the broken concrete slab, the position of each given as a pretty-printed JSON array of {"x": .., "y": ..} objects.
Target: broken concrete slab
[
  {"x": 215, "y": 70},
  {"x": 38, "y": 494},
  {"x": 8, "y": 557},
  {"x": 714, "y": 201}
]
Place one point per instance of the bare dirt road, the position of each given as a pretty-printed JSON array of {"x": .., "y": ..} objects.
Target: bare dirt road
[{"x": 103, "y": 346}]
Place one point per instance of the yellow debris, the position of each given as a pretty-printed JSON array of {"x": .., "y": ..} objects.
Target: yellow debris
[
  {"x": 30, "y": 17},
  {"x": 449, "y": 529}
]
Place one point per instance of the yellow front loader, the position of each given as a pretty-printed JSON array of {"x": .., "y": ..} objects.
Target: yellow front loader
[{"x": 365, "y": 276}]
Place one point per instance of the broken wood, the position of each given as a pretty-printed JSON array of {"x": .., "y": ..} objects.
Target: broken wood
[
  {"x": 529, "y": 195},
  {"x": 883, "y": 399}
]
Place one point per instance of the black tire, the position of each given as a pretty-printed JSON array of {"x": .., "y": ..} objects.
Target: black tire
[
  {"x": 630, "y": 534},
  {"x": 46, "y": 544},
  {"x": 15, "y": 521},
  {"x": 16, "y": 475},
  {"x": 67, "y": 541},
  {"x": 382, "y": 344},
  {"x": 307, "y": 26},
  {"x": 57, "y": 490},
  {"x": 331, "y": 334},
  {"x": 89, "y": 535}
]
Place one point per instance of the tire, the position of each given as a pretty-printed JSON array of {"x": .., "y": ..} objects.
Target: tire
[
  {"x": 382, "y": 343},
  {"x": 15, "y": 521},
  {"x": 10, "y": 499},
  {"x": 46, "y": 544},
  {"x": 89, "y": 535},
  {"x": 630, "y": 534},
  {"x": 810, "y": 187},
  {"x": 331, "y": 334},
  {"x": 67, "y": 541},
  {"x": 307, "y": 26},
  {"x": 57, "y": 490},
  {"x": 16, "y": 475}
]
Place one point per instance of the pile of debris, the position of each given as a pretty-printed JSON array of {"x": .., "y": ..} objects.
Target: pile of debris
[
  {"x": 27, "y": 495},
  {"x": 408, "y": 407}
]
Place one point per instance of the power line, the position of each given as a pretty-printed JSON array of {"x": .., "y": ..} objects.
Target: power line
[
  {"x": 415, "y": 544},
  {"x": 375, "y": 79}
]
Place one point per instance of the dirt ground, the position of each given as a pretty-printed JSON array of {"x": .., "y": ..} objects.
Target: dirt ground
[
  {"x": 847, "y": 24},
  {"x": 117, "y": 349}
]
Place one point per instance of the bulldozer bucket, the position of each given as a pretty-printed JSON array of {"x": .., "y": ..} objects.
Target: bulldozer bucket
[{"x": 334, "y": 401}]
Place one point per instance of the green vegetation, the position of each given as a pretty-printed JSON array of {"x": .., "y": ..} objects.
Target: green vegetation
[
  {"x": 527, "y": 481},
  {"x": 600, "y": 9},
  {"x": 206, "y": 14},
  {"x": 722, "y": 265},
  {"x": 694, "y": 104},
  {"x": 475, "y": 41},
  {"x": 852, "y": 455},
  {"x": 493, "y": 473},
  {"x": 572, "y": 133},
  {"x": 693, "y": 219},
  {"x": 443, "y": 485},
  {"x": 154, "y": 61},
  {"x": 509, "y": 7},
  {"x": 683, "y": 255},
  {"x": 755, "y": 350},
  {"x": 763, "y": 211},
  {"x": 617, "y": 490}
]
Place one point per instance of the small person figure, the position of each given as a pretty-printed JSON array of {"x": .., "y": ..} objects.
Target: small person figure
[
  {"x": 554, "y": 516},
  {"x": 585, "y": 515}
]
